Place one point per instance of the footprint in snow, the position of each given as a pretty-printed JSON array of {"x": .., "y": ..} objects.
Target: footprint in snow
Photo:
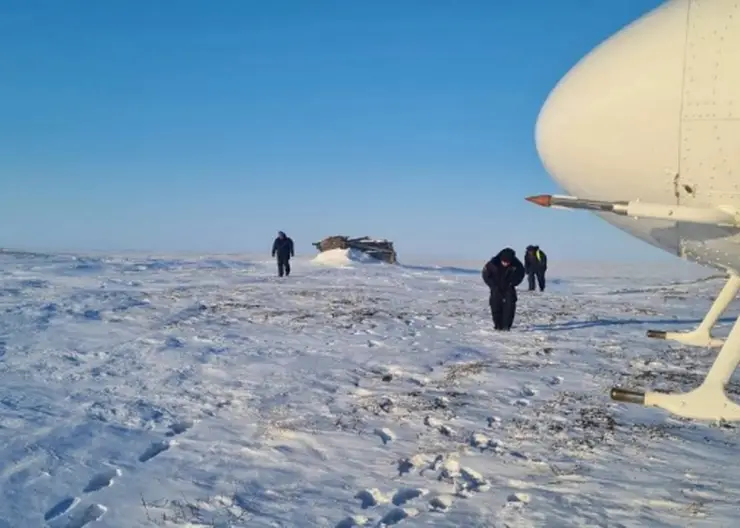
[
  {"x": 351, "y": 522},
  {"x": 102, "y": 480},
  {"x": 441, "y": 503},
  {"x": 515, "y": 502},
  {"x": 396, "y": 515},
  {"x": 155, "y": 449},
  {"x": 371, "y": 497},
  {"x": 404, "y": 495},
  {"x": 519, "y": 498},
  {"x": 180, "y": 427},
  {"x": 61, "y": 508},
  {"x": 93, "y": 513}
]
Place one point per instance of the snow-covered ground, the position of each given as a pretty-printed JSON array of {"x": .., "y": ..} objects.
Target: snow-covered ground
[{"x": 171, "y": 391}]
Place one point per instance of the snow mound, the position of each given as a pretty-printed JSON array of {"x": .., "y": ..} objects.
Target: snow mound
[{"x": 343, "y": 257}]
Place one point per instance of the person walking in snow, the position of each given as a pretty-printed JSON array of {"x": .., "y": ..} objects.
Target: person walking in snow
[
  {"x": 283, "y": 248},
  {"x": 502, "y": 274},
  {"x": 535, "y": 265}
]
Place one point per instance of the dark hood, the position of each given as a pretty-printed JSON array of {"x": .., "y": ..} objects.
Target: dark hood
[{"x": 506, "y": 254}]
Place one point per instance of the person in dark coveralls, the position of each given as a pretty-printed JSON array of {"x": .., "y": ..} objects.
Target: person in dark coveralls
[
  {"x": 283, "y": 248},
  {"x": 502, "y": 274},
  {"x": 535, "y": 265}
]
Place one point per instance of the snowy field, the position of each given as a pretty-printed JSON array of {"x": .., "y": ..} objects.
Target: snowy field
[{"x": 173, "y": 391}]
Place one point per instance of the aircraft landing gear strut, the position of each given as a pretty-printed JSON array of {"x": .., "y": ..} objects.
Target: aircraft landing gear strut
[
  {"x": 709, "y": 400},
  {"x": 701, "y": 335}
]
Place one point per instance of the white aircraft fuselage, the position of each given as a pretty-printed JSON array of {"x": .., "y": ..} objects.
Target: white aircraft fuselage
[
  {"x": 645, "y": 132},
  {"x": 653, "y": 114}
]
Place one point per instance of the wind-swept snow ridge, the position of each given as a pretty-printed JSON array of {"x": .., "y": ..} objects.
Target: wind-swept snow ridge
[
  {"x": 343, "y": 257},
  {"x": 205, "y": 391}
]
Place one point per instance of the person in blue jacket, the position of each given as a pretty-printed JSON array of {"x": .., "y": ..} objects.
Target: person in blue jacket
[
  {"x": 502, "y": 274},
  {"x": 283, "y": 248}
]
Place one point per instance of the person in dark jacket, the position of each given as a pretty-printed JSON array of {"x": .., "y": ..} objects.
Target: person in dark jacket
[
  {"x": 502, "y": 274},
  {"x": 283, "y": 248},
  {"x": 535, "y": 265}
]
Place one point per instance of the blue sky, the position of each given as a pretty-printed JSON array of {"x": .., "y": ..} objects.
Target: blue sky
[{"x": 208, "y": 126}]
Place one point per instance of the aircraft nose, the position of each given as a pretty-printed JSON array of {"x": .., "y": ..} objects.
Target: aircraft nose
[{"x": 610, "y": 126}]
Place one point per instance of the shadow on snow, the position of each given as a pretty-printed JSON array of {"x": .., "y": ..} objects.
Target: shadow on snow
[{"x": 574, "y": 325}]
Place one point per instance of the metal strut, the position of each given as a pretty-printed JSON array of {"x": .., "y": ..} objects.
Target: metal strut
[
  {"x": 709, "y": 400},
  {"x": 702, "y": 335}
]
